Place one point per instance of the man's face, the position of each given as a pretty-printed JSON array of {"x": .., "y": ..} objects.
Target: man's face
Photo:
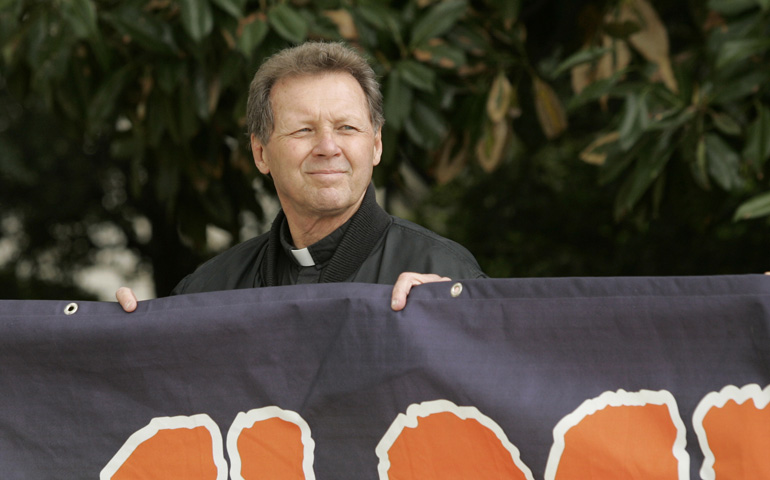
[{"x": 323, "y": 146}]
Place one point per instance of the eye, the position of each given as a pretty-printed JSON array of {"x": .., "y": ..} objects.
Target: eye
[{"x": 348, "y": 128}]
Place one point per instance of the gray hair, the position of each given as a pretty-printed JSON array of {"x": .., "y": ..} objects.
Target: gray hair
[{"x": 311, "y": 58}]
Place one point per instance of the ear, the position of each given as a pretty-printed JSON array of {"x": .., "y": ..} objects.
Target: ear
[
  {"x": 377, "y": 147},
  {"x": 258, "y": 152}
]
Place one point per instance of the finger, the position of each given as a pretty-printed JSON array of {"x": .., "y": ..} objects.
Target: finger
[
  {"x": 404, "y": 285},
  {"x": 126, "y": 299}
]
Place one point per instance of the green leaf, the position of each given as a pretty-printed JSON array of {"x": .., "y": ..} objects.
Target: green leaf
[
  {"x": 736, "y": 50},
  {"x": 649, "y": 166},
  {"x": 197, "y": 18},
  {"x": 723, "y": 163},
  {"x": 758, "y": 206},
  {"x": 426, "y": 126},
  {"x": 437, "y": 21},
  {"x": 442, "y": 55},
  {"x": 201, "y": 94},
  {"x": 743, "y": 85},
  {"x": 146, "y": 30},
  {"x": 698, "y": 166},
  {"x": 673, "y": 119},
  {"x": 580, "y": 57},
  {"x": 398, "y": 100},
  {"x": 251, "y": 35},
  {"x": 757, "y": 149},
  {"x": 731, "y": 7},
  {"x": 725, "y": 123},
  {"x": 595, "y": 91},
  {"x": 634, "y": 122},
  {"x": 288, "y": 23},
  {"x": 233, "y": 8},
  {"x": 103, "y": 102},
  {"x": 417, "y": 75},
  {"x": 382, "y": 18},
  {"x": 81, "y": 15}
]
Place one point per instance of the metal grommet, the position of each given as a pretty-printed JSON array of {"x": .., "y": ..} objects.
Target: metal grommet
[
  {"x": 456, "y": 290},
  {"x": 71, "y": 308}
]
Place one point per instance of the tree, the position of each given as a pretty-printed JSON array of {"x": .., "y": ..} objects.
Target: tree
[{"x": 128, "y": 117}]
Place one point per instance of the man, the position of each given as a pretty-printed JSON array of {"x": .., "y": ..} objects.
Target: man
[{"x": 315, "y": 120}]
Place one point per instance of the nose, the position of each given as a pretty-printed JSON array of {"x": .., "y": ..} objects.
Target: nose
[{"x": 326, "y": 145}]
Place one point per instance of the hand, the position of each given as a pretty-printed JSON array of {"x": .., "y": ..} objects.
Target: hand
[
  {"x": 126, "y": 299},
  {"x": 404, "y": 284}
]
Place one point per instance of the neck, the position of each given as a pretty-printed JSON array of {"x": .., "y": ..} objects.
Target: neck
[{"x": 305, "y": 232}]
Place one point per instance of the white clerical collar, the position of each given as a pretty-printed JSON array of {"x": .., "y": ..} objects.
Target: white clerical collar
[{"x": 303, "y": 257}]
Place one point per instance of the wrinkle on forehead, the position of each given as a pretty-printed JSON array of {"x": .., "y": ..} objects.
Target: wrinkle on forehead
[{"x": 332, "y": 105}]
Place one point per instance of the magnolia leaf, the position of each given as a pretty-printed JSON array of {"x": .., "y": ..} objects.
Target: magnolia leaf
[
  {"x": 757, "y": 148},
  {"x": 344, "y": 22},
  {"x": 234, "y": 8},
  {"x": 491, "y": 145},
  {"x": 742, "y": 85},
  {"x": 251, "y": 31},
  {"x": 398, "y": 100},
  {"x": 549, "y": 109},
  {"x": 81, "y": 15},
  {"x": 758, "y": 206},
  {"x": 649, "y": 166},
  {"x": 614, "y": 58},
  {"x": 595, "y": 90},
  {"x": 417, "y": 75},
  {"x": 741, "y": 49},
  {"x": 144, "y": 29},
  {"x": 731, "y": 7},
  {"x": 197, "y": 18},
  {"x": 614, "y": 61},
  {"x": 425, "y": 126},
  {"x": 725, "y": 123},
  {"x": 581, "y": 57},
  {"x": 448, "y": 165},
  {"x": 382, "y": 18},
  {"x": 652, "y": 38},
  {"x": 438, "y": 20},
  {"x": 581, "y": 76},
  {"x": 499, "y": 98},
  {"x": 700, "y": 169},
  {"x": 288, "y": 23},
  {"x": 592, "y": 154},
  {"x": 441, "y": 54},
  {"x": 723, "y": 163},
  {"x": 104, "y": 100},
  {"x": 635, "y": 120}
]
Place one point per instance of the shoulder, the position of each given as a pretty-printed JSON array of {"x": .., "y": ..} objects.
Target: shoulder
[
  {"x": 425, "y": 251},
  {"x": 231, "y": 269}
]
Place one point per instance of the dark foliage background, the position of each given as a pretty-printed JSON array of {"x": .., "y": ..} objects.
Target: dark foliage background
[{"x": 551, "y": 137}]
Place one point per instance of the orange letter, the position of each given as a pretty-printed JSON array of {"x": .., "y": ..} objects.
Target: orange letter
[
  {"x": 268, "y": 443},
  {"x": 171, "y": 447},
  {"x": 734, "y": 433},
  {"x": 621, "y": 435},
  {"x": 438, "y": 440}
]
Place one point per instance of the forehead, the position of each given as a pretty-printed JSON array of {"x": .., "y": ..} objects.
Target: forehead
[{"x": 311, "y": 93}]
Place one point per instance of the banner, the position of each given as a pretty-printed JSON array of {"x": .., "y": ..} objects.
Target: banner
[{"x": 539, "y": 379}]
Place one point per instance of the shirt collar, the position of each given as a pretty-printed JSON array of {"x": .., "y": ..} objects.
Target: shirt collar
[{"x": 318, "y": 253}]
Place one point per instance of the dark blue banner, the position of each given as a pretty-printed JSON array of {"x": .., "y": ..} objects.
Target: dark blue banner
[{"x": 510, "y": 378}]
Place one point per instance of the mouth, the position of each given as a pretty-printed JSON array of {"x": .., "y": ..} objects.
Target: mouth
[{"x": 323, "y": 173}]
